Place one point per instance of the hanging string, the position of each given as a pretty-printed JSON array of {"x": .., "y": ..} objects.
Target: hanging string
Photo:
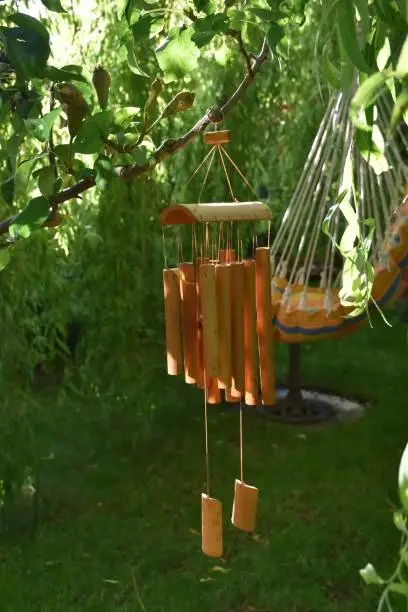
[
  {"x": 226, "y": 174},
  {"x": 213, "y": 151},
  {"x": 220, "y": 239},
  {"x": 241, "y": 441},
  {"x": 239, "y": 171},
  {"x": 193, "y": 242},
  {"x": 207, "y": 453},
  {"x": 164, "y": 248}
]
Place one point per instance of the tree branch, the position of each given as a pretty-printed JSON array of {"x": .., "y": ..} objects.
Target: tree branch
[{"x": 167, "y": 148}]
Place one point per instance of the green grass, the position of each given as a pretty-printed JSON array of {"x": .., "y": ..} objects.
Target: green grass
[{"x": 120, "y": 511}]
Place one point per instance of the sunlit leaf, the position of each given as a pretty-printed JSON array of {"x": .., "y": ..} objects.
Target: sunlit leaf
[
  {"x": 31, "y": 218},
  {"x": 369, "y": 575},
  {"x": 402, "y": 65},
  {"x": 400, "y": 106},
  {"x": 104, "y": 172},
  {"x": 403, "y": 479},
  {"x": 41, "y": 128},
  {"x": 4, "y": 258},
  {"x": 122, "y": 117},
  {"x": 384, "y": 55},
  {"x": 178, "y": 55}
]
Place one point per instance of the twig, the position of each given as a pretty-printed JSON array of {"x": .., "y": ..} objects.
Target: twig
[
  {"x": 167, "y": 148},
  {"x": 139, "y": 599},
  {"x": 236, "y": 34}
]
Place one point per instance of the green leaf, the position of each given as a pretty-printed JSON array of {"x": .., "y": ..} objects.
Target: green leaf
[
  {"x": 275, "y": 34},
  {"x": 41, "y": 128},
  {"x": 104, "y": 172},
  {"x": 402, "y": 65},
  {"x": 204, "y": 6},
  {"x": 331, "y": 72},
  {"x": 400, "y": 106},
  {"x": 89, "y": 138},
  {"x": 364, "y": 14},
  {"x": 400, "y": 521},
  {"x": 27, "y": 51},
  {"x": 46, "y": 180},
  {"x": 26, "y": 22},
  {"x": 208, "y": 27},
  {"x": 266, "y": 14},
  {"x": 104, "y": 121},
  {"x": 401, "y": 589},
  {"x": 403, "y": 8},
  {"x": 4, "y": 258},
  {"x": 141, "y": 28},
  {"x": 365, "y": 96},
  {"x": 348, "y": 35},
  {"x": 403, "y": 479},
  {"x": 122, "y": 117},
  {"x": 384, "y": 54},
  {"x": 59, "y": 75},
  {"x": 178, "y": 55},
  {"x": 371, "y": 147},
  {"x": 7, "y": 189},
  {"x": 132, "y": 61},
  {"x": 64, "y": 153},
  {"x": 155, "y": 91},
  {"x": 370, "y": 576},
  {"x": 31, "y": 218},
  {"x": 54, "y": 5}
]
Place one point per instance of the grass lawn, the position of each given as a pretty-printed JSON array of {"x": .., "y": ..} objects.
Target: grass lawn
[{"x": 121, "y": 510}]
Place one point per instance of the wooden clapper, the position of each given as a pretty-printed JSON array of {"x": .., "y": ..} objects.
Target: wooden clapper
[{"x": 219, "y": 329}]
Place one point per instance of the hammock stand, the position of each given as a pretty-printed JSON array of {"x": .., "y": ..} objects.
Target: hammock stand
[{"x": 304, "y": 313}]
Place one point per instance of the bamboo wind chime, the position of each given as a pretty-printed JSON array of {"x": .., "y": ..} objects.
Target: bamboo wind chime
[{"x": 219, "y": 330}]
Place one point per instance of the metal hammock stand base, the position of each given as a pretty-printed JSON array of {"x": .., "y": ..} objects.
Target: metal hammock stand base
[{"x": 297, "y": 405}]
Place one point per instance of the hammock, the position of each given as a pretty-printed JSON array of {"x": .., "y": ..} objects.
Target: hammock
[{"x": 304, "y": 310}]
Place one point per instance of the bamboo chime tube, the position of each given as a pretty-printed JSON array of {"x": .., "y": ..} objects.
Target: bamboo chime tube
[
  {"x": 237, "y": 328},
  {"x": 172, "y": 309},
  {"x": 211, "y": 526},
  {"x": 199, "y": 327},
  {"x": 213, "y": 393},
  {"x": 188, "y": 290},
  {"x": 227, "y": 255},
  {"x": 265, "y": 325},
  {"x": 223, "y": 279},
  {"x": 244, "y": 507},
  {"x": 208, "y": 297},
  {"x": 250, "y": 335}
]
